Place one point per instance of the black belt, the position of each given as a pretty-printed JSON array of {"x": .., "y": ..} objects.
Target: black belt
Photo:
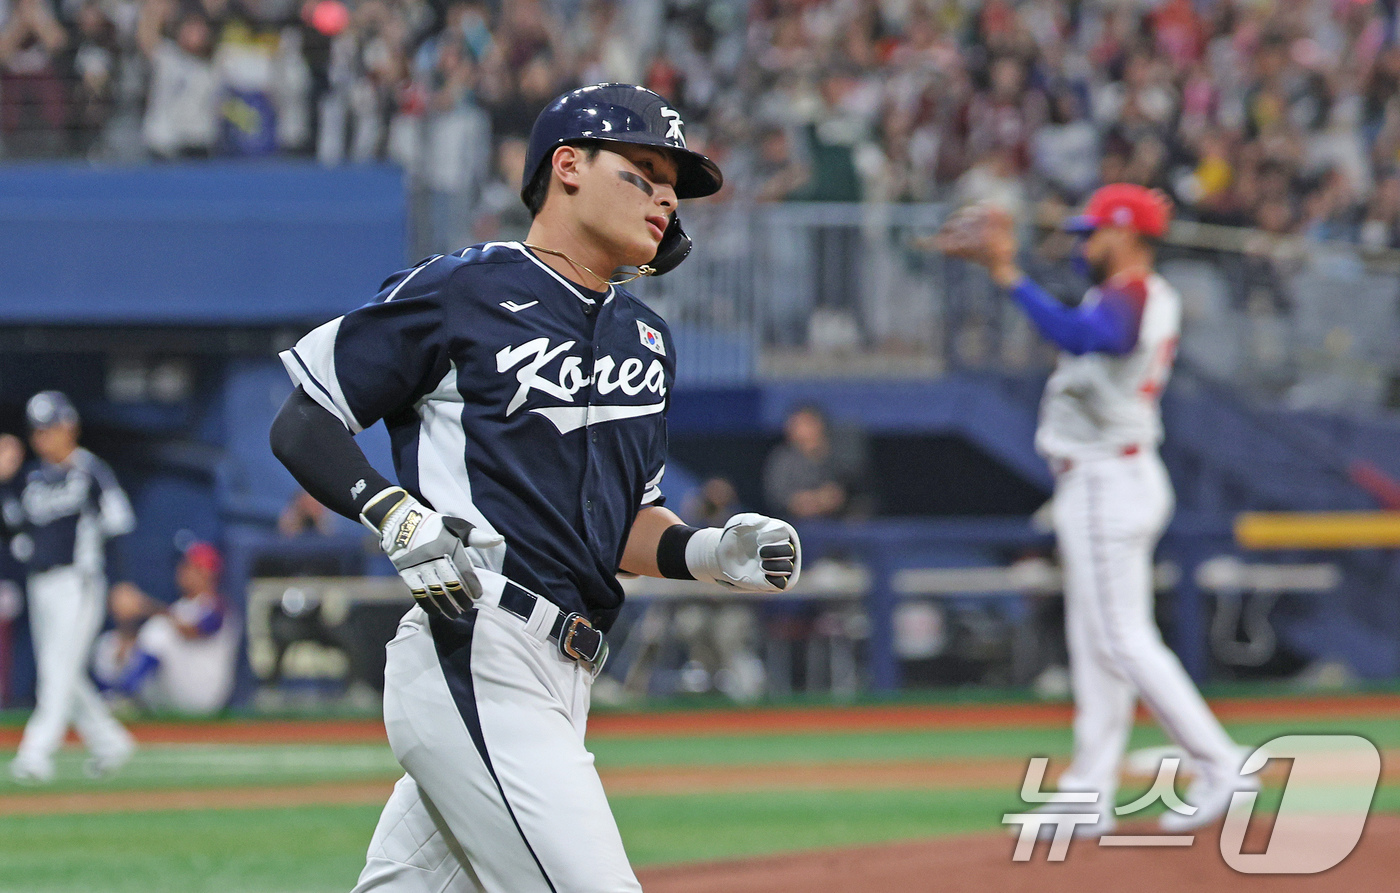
[{"x": 575, "y": 636}]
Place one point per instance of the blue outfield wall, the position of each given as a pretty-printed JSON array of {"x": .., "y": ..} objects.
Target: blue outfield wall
[{"x": 201, "y": 243}]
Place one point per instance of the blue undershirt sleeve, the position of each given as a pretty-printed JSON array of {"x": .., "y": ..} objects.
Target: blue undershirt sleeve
[
  {"x": 210, "y": 623},
  {"x": 138, "y": 669},
  {"x": 1109, "y": 326}
]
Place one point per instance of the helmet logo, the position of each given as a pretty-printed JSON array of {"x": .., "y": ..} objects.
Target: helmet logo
[{"x": 673, "y": 118}]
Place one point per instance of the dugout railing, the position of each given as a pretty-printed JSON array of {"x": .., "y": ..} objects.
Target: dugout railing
[{"x": 889, "y": 562}]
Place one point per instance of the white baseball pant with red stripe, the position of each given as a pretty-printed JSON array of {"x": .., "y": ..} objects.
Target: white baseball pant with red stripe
[{"x": 1109, "y": 513}]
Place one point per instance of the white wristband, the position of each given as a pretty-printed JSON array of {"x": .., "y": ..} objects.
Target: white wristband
[{"x": 702, "y": 554}]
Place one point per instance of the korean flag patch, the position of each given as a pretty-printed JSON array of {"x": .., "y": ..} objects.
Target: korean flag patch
[{"x": 651, "y": 338}]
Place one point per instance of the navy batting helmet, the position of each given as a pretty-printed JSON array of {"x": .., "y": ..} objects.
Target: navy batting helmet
[
  {"x": 48, "y": 408},
  {"x": 619, "y": 113}
]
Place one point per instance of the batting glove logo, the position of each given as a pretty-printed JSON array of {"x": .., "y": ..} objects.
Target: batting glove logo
[
  {"x": 429, "y": 550},
  {"x": 406, "y": 529}
]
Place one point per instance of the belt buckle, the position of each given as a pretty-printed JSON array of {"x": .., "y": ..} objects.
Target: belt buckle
[{"x": 596, "y": 656}]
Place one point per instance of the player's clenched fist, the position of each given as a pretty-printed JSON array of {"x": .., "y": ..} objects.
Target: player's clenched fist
[
  {"x": 428, "y": 549},
  {"x": 751, "y": 552}
]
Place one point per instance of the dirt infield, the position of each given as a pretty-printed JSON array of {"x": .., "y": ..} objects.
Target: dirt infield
[{"x": 981, "y": 863}]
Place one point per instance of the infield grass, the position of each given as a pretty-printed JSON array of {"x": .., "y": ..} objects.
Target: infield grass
[
  {"x": 811, "y": 747},
  {"x": 298, "y": 850},
  {"x": 314, "y": 849},
  {"x": 195, "y": 766}
]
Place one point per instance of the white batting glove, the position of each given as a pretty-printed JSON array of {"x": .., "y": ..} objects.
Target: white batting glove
[
  {"x": 751, "y": 552},
  {"x": 428, "y": 549}
]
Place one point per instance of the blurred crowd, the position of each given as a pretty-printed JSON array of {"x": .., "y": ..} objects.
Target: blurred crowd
[{"x": 1280, "y": 114}]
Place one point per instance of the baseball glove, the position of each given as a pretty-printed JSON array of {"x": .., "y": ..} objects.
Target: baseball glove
[{"x": 982, "y": 234}]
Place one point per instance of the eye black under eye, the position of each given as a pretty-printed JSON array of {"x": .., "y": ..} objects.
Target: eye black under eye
[{"x": 648, "y": 167}]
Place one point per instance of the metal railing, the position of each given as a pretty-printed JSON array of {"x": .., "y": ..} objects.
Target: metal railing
[
  {"x": 775, "y": 291},
  {"x": 849, "y": 290}
]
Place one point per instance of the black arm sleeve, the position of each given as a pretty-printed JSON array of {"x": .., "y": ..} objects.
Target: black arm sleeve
[
  {"x": 322, "y": 455},
  {"x": 11, "y": 510},
  {"x": 112, "y": 549}
]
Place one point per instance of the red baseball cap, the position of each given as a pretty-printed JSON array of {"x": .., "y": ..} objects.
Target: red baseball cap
[
  {"x": 1145, "y": 211},
  {"x": 204, "y": 556}
]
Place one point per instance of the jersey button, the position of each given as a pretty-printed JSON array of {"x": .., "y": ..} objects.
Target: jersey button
[
  {"x": 588, "y": 505},
  {"x": 593, "y": 436}
]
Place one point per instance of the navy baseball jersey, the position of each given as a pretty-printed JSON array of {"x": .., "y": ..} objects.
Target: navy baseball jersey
[
  {"x": 514, "y": 399},
  {"x": 65, "y": 514}
]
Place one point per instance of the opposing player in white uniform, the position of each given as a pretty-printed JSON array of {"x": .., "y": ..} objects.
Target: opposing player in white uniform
[
  {"x": 181, "y": 656},
  {"x": 1100, "y": 427},
  {"x": 63, "y": 513},
  {"x": 525, "y": 397}
]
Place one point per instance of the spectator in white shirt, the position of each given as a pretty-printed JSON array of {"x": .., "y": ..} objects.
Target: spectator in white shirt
[{"x": 182, "y": 111}]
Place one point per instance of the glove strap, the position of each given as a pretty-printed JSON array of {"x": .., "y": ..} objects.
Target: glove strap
[
  {"x": 381, "y": 505},
  {"x": 702, "y": 554}
]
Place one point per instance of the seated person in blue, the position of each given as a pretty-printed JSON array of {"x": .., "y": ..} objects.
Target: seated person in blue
[{"x": 176, "y": 657}]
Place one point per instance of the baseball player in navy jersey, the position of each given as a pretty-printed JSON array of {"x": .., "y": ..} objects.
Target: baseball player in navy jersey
[
  {"x": 525, "y": 393},
  {"x": 1100, "y": 427},
  {"x": 63, "y": 512}
]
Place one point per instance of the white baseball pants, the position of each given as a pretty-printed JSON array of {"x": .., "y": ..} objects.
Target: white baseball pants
[
  {"x": 501, "y": 795},
  {"x": 1109, "y": 513},
  {"x": 196, "y": 675},
  {"x": 66, "y": 609}
]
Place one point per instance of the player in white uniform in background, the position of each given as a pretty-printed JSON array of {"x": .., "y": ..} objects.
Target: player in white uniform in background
[
  {"x": 62, "y": 513},
  {"x": 179, "y": 656},
  {"x": 1100, "y": 427}
]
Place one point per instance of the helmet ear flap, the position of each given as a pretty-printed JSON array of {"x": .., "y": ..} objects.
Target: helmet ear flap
[{"x": 674, "y": 247}]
